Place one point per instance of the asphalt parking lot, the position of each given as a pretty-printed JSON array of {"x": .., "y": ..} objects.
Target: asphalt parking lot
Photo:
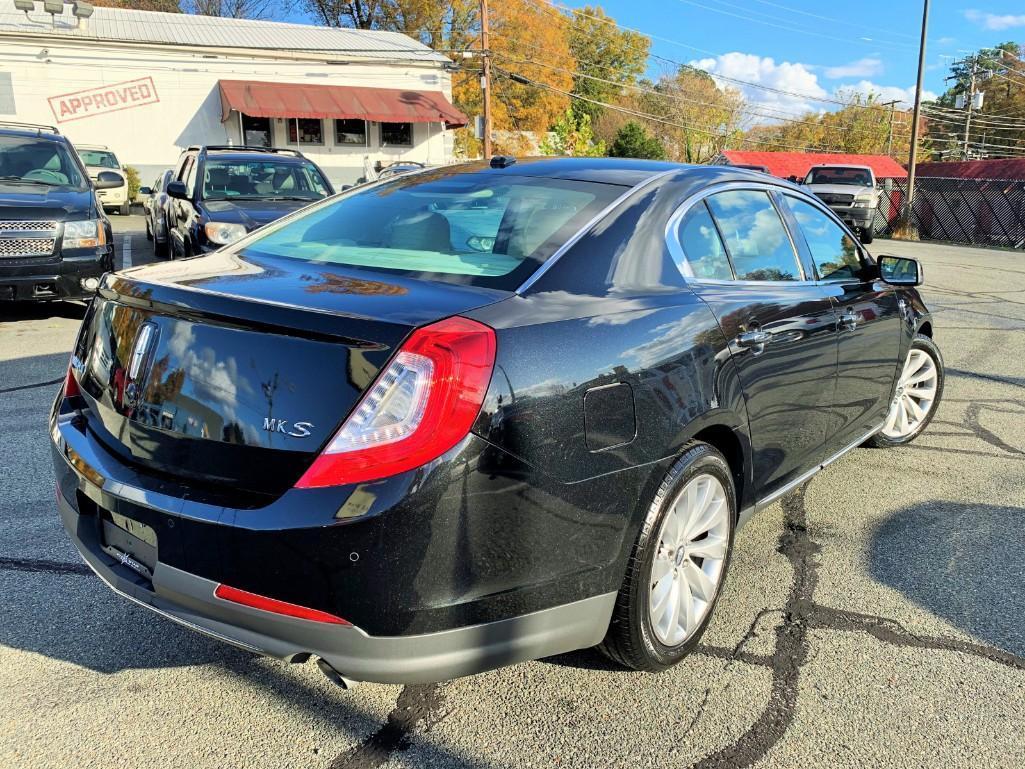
[{"x": 874, "y": 618}]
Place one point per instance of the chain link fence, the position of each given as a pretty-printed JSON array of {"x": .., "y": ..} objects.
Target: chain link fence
[{"x": 983, "y": 212}]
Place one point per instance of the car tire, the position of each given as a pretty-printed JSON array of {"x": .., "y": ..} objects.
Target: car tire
[
  {"x": 866, "y": 236},
  {"x": 639, "y": 637},
  {"x": 149, "y": 231},
  {"x": 909, "y": 391},
  {"x": 161, "y": 248},
  {"x": 125, "y": 209}
]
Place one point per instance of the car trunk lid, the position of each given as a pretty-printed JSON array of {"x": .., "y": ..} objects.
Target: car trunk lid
[{"x": 223, "y": 370}]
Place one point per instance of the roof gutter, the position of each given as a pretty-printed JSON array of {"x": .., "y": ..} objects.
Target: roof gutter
[{"x": 372, "y": 56}]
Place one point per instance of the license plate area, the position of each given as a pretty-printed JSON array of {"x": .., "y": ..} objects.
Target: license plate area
[{"x": 132, "y": 543}]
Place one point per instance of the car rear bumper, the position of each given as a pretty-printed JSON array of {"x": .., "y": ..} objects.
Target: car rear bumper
[
  {"x": 114, "y": 196},
  {"x": 401, "y": 578},
  {"x": 189, "y": 600},
  {"x": 53, "y": 280}
]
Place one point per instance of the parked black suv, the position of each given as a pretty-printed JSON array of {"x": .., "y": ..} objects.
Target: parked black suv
[
  {"x": 55, "y": 241},
  {"x": 221, "y": 193}
]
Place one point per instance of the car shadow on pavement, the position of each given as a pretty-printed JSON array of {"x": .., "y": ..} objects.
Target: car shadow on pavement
[
  {"x": 963, "y": 562},
  {"x": 15, "y": 311}
]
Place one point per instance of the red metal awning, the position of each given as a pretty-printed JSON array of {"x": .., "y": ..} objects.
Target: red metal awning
[{"x": 315, "y": 100}]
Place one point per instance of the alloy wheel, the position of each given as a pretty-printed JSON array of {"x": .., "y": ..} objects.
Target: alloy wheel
[
  {"x": 915, "y": 395},
  {"x": 691, "y": 557}
]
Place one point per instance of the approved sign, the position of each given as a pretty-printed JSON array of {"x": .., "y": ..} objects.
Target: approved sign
[{"x": 107, "y": 98}]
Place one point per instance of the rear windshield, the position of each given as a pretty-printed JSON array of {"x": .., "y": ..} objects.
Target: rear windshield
[
  {"x": 100, "y": 158},
  {"x": 477, "y": 229}
]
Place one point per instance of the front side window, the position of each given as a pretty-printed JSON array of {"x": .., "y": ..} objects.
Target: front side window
[
  {"x": 475, "y": 229},
  {"x": 99, "y": 158},
  {"x": 189, "y": 173},
  {"x": 309, "y": 130},
  {"x": 755, "y": 237},
  {"x": 263, "y": 180},
  {"x": 705, "y": 256},
  {"x": 834, "y": 251},
  {"x": 37, "y": 161},
  {"x": 396, "y": 134},
  {"x": 351, "y": 132}
]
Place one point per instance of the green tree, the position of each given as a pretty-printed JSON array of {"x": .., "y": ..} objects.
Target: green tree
[
  {"x": 633, "y": 141},
  {"x": 603, "y": 53},
  {"x": 572, "y": 135},
  {"x": 999, "y": 127}
]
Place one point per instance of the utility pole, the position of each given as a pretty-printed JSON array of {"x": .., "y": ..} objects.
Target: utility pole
[
  {"x": 889, "y": 134},
  {"x": 968, "y": 106},
  {"x": 913, "y": 155},
  {"x": 485, "y": 79}
]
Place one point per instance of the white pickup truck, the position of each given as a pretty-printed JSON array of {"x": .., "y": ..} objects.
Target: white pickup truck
[{"x": 851, "y": 191}]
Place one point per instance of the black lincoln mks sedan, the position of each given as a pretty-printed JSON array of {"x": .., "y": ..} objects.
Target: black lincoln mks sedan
[{"x": 480, "y": 414}]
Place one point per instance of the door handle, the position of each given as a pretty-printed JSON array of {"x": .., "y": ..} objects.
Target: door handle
[
  {"x": 754, "y": 339},
  {"x": 849, "y": 321}
]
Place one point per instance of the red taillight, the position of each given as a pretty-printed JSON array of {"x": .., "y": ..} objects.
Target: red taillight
[
  {"x": 71, "y": 389},
  {"x": 262, "y": 602},
  {"x": 422, "y": 404}
]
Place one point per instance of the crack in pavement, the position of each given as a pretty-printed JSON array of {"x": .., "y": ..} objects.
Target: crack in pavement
[
  {"x": 43, "y": 565},
  {"x": 801, "y": 614},
  {"x": 32, "y": 386},
  {"x": 416, "y": 703}
]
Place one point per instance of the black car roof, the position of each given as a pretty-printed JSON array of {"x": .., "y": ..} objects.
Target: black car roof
[{"x": 628, "y": 172}]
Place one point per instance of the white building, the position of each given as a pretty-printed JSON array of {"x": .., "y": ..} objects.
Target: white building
[{"x": 148, "y": 85}]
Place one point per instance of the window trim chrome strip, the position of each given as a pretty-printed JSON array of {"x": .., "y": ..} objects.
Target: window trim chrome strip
[
  {"x": 805, "y": 477},
  {"x": 551, "y": 260},
  {"x": 672, "y": 233}
]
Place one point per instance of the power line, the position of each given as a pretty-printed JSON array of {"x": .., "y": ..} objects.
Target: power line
[
  {"x": 788, "y": 28},
  {"x": 551, "y": 6},
  {"x": 517, "y": 78},
  {"x": 681, "y": 98},
  {"x": 831, "y": 19}
]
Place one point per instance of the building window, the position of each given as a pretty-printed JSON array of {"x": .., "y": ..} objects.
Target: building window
[
  {"x": 311, "y": 130},
  {"x": 351, "y": 132},
  {"x": 256, "y": 131},
  {"x": 396, "y": 134}
]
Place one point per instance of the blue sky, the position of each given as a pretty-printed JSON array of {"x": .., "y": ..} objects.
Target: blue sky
[
  {"x": 817, "y": 48},
  {"x": 814, "y": 47}
]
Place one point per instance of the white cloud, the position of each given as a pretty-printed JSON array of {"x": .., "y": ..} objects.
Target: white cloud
[
  {"x": 906, "y": 96},
  {"x": 860, "y": 68},
  {"x": 995, "y": 21},
  {"x": 792, "y": 77}
]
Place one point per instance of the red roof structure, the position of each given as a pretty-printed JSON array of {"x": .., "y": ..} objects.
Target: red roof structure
[
  {"x": 316, "y": 100},
  {"x": 1000, "y": 168},
  {"x": 784, "y": 164}
]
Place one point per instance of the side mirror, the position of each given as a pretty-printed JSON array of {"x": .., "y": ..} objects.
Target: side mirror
[
  {"x": 145, "y": 190},
  {"x": 177, "y": 189},
  {"x": 900, "y": 271},
  {"x": 107, "y": 180}
]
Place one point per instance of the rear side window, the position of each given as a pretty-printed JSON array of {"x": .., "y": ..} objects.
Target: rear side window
[
  {"x": 705, "y": 256},
  {"x": 755, "y": 237},
  {"x": 834, "y": 251},
  {"x": 478, "y": 229}
]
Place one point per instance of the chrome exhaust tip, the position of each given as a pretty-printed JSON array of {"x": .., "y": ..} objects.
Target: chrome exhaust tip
[{"x": 334, "y": 676}]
